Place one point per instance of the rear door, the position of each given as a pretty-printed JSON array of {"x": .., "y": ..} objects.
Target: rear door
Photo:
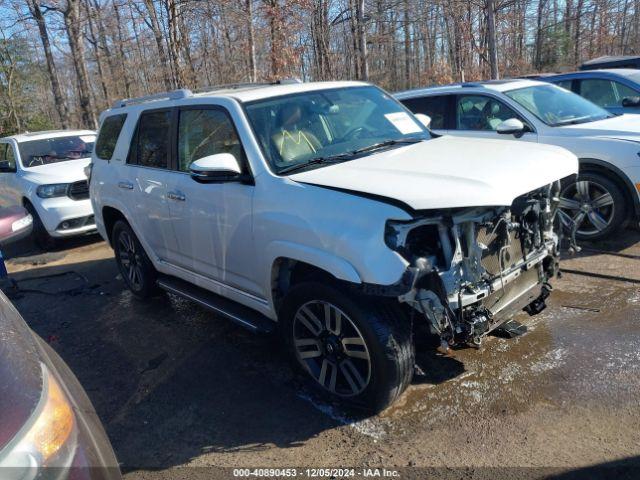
[
  {"x": 144, "y": 186},
  {"x": 478, "y": 115},
  {"x": 437, "y": 107}
]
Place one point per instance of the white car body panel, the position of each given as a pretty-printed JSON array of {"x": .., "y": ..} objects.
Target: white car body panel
[
  {"x": 21, "y": 185},
  {"x": 449, "y": 172}
]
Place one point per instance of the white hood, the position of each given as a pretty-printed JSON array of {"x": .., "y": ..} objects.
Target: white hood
[
  {"x": 622, "y": 127},
  {"x": 450, "y": 172},
  {"x": 61, "y": 172}
]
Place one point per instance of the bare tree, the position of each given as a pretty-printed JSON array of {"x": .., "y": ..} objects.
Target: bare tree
[{"x": 35, "y": 10}]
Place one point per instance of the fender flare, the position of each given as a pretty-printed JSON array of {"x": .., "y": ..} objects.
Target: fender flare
[{"x": 336, "y": 266}]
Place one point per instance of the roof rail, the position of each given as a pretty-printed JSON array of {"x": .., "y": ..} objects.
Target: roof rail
[
  {"x": 233, "y": 86},
  {"x": 172, "y": 95}
]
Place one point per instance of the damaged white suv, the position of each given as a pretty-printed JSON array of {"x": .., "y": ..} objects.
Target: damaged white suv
[{"x": 331, "y": 211}]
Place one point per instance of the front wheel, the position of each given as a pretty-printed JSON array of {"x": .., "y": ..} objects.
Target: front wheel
[
  {"x": 41, "y": 237},
  {"x": 135, "y": 267},
  {"x": 354, "y": 349},
  {"x": 595, "y": 203}
]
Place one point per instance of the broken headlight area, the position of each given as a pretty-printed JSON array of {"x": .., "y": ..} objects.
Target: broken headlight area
[{"x": 474, "y": 268}]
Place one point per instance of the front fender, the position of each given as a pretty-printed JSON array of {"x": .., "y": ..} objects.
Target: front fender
[{"x": 336, "y": 266}]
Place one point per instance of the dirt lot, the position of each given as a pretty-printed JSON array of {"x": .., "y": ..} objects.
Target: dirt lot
[{"x": 177, "y": 387}]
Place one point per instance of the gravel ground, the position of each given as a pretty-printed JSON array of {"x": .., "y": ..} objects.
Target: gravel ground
[{"x": 176, "y": 387}]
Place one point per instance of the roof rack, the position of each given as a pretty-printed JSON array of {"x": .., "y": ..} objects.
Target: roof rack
[
  {"x": 172, "y": 95},
  {"x": 235, "y": 86}
]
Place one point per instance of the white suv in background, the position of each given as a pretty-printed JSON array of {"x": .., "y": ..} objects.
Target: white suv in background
[
  {"x": 329, "y": 209},
  {"x": 44, "y": 172},
  {"x": 607, "y": 193}
]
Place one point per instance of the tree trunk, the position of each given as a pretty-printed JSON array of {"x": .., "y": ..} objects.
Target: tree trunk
[
  {"x": 157, "y": 34},
  {"x": 61, "y": 106},
  {"x": 76, "y": 45},
  {"x": 253, "y": 72},
  {"x": 491, "y": 32}
]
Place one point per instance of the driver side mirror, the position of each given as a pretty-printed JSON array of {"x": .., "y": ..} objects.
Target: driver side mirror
[
  {"x": 631, "y": 102},
  {"x": 221, "y": 167},
  {"x": 425, "y": 120},
  {"x": 511, "y": 126},
  {"x": 7, "y": 167}
]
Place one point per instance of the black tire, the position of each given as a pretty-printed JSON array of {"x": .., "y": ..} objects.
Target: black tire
[
  {"x": 135, "y": 267},
  {"x": 386, "y": 336},
  {"x": 40, "y": 236},
  {"x": 598, "y": 201}
]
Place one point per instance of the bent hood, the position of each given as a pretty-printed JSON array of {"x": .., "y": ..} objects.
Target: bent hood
[
  {"x": 450, "y": 172},
  {"x": 62, "y": 172},
  {"x": 621, "y": 127}
]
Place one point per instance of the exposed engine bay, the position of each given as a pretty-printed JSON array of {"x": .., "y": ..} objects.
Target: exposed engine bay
[{"x": 473, "y": 268}]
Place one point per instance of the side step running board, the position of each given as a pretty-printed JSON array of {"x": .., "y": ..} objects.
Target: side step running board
[{"x": 243, "y": 316}]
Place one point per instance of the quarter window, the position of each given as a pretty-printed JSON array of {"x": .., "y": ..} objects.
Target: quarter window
[
  {"x": 435, "y": 107},
  {"x": 108, "y": 136},
  {"x": 206, "y": 132},
  {"x": 152, "y": 145},
  {"x": 478, "y": 112}
]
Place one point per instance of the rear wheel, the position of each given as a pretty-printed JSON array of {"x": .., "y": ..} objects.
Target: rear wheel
[
  {"x": 135, "y": 267},
  {"x": 353, "y": 349},
  {"x": 594, "y": 202},
  {"x": 41, "y": 237}
]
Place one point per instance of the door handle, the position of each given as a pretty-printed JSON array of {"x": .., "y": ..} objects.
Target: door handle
[
  {"x": 125, "y": 185},
  {"x": 176, "y": 196}
]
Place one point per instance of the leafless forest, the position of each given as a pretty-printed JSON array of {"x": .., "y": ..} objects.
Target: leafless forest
[{"x": 63, "y": 61}]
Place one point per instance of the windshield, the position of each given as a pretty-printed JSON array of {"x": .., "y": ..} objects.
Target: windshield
[
  {"x": 35, "y": 153},
  {"x": 556, "y": 106},
  {"x": 311, "y": 128}
]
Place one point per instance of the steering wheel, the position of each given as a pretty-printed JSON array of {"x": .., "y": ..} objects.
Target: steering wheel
[{"x": 353, "y": 133}]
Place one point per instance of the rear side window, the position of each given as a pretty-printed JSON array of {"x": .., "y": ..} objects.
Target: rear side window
[
  {"x": 152, "y": 140},
  {"x": 435, "y": 107},
  {"x": 108, "y": 136},
  {"x": 206, "y": 132}
]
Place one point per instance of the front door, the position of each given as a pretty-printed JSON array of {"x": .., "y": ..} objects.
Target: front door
[
  {"x": 10, "y": 192},
  {"x": 478, "y": 116},
  {"x": 212, "y": 221}
]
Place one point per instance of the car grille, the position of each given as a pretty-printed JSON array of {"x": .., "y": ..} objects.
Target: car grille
[
  {"x": 511, "y": 255},
  {"x": 79, "y": 190}
]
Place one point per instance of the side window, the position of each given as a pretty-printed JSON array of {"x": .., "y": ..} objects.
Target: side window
[
  {"x": 600, "y": 92},
  {"x": 478, "y": 112},
  {"x": 151, "y": 141},
  {"x": 108, "y": 136},
  {"x": 622, "y": 92},
  {"x": 206, "y": 132},
  {"x": 7, "y": 157},
  {"x": 435, "y": 107},
  {"x": 566, "y": 84}
]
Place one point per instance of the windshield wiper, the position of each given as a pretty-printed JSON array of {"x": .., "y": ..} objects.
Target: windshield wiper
[
  {"x": 388, "y": 143},
  {"x": 575, "y": 121},
  {"x": 315, "y": 161}
]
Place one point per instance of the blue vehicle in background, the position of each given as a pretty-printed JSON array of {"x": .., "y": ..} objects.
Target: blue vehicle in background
[{"x": 616, "y": 90}]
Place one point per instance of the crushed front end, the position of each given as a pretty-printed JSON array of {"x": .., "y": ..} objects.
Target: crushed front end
[{"x": 471, "y": 269}]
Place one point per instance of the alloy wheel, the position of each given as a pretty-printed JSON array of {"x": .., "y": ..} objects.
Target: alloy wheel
[
  {"x": 589, "y": 204},
  {"x": 130, "y": 260},
  {"x": 331, "y": 348}
]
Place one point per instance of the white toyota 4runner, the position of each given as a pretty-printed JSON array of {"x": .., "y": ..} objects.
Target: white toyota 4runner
[{"x": 330, "y": 210}]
